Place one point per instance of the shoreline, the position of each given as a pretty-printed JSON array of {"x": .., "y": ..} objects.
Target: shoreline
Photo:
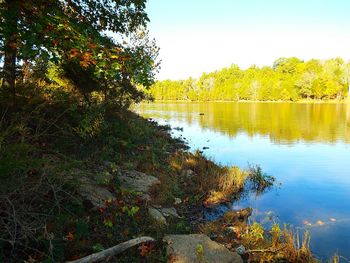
[{"x": 155, "y": 188}]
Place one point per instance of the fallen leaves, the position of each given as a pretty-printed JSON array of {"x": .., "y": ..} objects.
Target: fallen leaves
[
  {"x": 70, "y": 236},
  {"x": 145, "y": 249}
]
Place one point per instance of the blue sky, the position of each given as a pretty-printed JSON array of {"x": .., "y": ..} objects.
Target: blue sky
[{"x": 198, "y": 36}]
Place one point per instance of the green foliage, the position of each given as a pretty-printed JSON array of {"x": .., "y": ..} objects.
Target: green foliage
[
  {"x": 71, "y": 35},
  {"x": 290, "y": 79},
  {"x": 255, "y": 233},
  {"x": 18, "y": 158},
  {"x": 98, "y": 247},
  {"x": 200, "y": 252},
  {"x": 131, "y": 211}
]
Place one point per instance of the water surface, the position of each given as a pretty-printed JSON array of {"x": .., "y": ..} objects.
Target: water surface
[{"x": 305, "y": 146}]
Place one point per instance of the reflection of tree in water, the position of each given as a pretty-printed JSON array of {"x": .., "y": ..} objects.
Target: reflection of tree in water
[{"x": 282, "y": 122}]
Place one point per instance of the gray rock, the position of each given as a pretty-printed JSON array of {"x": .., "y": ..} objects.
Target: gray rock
[
  {"x": 167, "y": 212},
  {"x": 157, "y": 216},
  {"x": 240, "y": 250},
  {"x": 138, "y": 182},
  {"x": 198, "y": 248},
  {"x": 93, "y": 192}
]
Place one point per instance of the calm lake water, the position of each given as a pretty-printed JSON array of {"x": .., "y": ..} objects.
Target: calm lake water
[{"x": 306, "y": 147}]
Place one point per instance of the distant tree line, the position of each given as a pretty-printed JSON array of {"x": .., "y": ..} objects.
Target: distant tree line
[{"x": 289, "y": 79}]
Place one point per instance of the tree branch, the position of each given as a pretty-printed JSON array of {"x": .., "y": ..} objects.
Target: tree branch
[{"x": 112, "y": 251}]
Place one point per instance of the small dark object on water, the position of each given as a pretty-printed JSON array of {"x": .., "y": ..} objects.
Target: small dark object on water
[
  {"x": 205, "y": 148},
  {"x": 178, "y": 128},
  {"x": 201, "y": 114}
]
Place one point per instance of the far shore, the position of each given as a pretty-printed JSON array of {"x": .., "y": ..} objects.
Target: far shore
[{"x": 345, "y": 101}]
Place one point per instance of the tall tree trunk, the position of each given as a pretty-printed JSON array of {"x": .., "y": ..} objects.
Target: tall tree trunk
[
  {"x": 9, "y": 69},
  {"x": 10, "y": 35}
]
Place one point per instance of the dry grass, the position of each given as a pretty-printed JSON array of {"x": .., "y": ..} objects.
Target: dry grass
[
  {"x": 280, "y": 246},
  {"x": 204, "y": 177},
  {"x": 214, "y": 182}
]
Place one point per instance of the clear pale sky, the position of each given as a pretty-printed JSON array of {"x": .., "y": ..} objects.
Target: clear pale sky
[{"x": 198, "y": 36}]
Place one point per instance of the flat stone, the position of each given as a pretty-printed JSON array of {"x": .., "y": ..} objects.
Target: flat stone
[
  {"x": 171, "y": 211},
  {"x": 93, "y": 192},
  {"x": 198, "y": 248},
  {"x": 138, "y": 182},
  {"x": 157, "y": 216}
]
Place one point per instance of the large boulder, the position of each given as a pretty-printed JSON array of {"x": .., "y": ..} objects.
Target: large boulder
[
  {"x": 138, "y": 182},
  {"x": 198, "y": 248}
]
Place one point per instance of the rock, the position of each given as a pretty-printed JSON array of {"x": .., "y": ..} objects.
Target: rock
[
  {"x": 93, "y": 192},
  {"x": 157, "y": 216},
  {"x": 169, "y": 212},
  {"x": 177, "y": 201},
  {"x": 198, "y": 248},
  {"x": 138, "y": 182},
  {"x": 240, "y": 250}
]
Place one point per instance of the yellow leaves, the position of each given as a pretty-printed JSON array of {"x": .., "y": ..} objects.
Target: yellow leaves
[{"x": 255, "y": 233}]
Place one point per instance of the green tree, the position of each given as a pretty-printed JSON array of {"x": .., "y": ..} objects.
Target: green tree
[
  {"x": 72, "y": 32},
  {"x": 288, "y": 79}
]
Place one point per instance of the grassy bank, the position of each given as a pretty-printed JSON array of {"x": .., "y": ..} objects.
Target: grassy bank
[{"x": 49, "y": 144}]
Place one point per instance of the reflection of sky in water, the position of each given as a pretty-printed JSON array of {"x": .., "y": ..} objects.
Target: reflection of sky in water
[{"x": 315, "y": 179}]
